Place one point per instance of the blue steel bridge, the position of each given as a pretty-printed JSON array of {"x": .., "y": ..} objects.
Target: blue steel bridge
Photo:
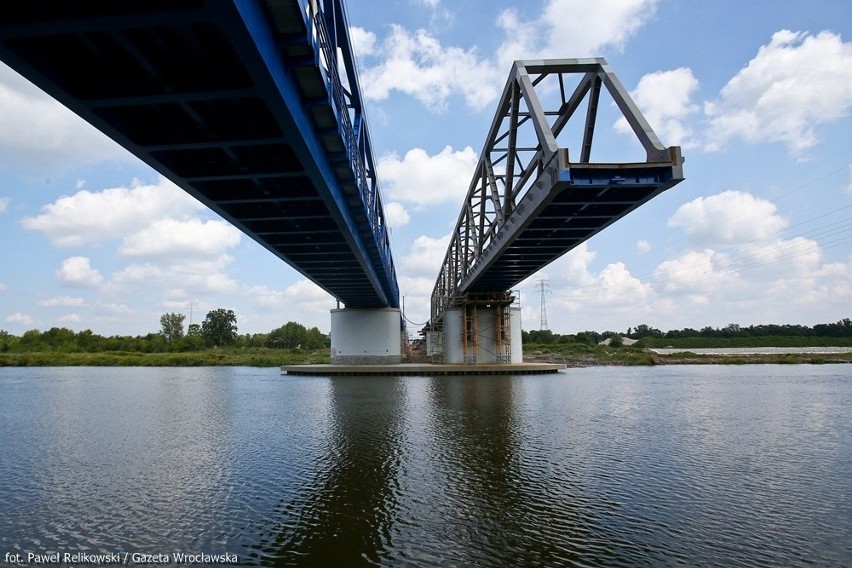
[
  {"x": 254, "y": 108},
  {"x": 251, "y": 106}
]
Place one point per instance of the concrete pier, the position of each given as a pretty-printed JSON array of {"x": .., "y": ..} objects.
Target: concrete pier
[
  {"x": 366, "y": 336},
  {"x": 428, "y": 369}
]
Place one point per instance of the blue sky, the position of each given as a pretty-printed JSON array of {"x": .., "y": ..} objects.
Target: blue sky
[{"x": 758, "y": 94}]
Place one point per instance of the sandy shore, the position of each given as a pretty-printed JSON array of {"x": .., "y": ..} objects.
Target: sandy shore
[{"x": 756, "y": 351}]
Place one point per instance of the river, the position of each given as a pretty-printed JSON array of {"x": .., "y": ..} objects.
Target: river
[{"x": 632, "y": 466}]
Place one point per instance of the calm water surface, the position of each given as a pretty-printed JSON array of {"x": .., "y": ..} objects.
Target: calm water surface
[{"x": 714, "y": 465}]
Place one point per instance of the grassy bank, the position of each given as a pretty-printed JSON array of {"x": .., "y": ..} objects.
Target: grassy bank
[
  {"x": 570, "y": 354},
  {"x": 257, "y": 357}
]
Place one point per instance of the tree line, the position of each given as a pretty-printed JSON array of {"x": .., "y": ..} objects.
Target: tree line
[
  {"x": 841, "y": 328},
  {"x": 219, "y": 329}
]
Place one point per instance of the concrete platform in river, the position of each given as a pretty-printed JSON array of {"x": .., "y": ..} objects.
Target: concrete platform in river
[{"x": 423, "y": 369}]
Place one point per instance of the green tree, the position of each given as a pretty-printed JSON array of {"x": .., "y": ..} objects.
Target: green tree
[
  {"x": 220, "y": 327},
  {"x": 194, "y": 330},
  {"x": 315, "y": 339},
  {"x": 289, "y": 336},
  {"x": 171, "y": 326}
]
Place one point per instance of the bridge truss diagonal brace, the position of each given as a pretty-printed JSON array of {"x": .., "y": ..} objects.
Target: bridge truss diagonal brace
[{"x": 522, "y": 169}]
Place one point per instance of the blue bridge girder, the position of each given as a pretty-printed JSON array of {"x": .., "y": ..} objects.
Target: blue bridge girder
[
  {"x": 251, "y": 106},
  {"x": 530, "y": 200}
]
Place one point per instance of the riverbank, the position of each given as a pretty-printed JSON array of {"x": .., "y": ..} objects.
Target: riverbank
[
  {"x": 627, "y": 356},
  {"x": 568, "y": 355},
  {"x": 227, "y": 357}
]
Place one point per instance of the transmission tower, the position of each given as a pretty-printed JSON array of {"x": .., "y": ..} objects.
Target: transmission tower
[
  {"x": 543, "y": 290},
  {"x": 191, "y": 305}
]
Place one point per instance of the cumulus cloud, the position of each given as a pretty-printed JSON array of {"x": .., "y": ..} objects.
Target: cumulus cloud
[
  {"x": 728, "y": 218},
  {"x": 665, "y": 99},
  {"x": 181, "y": 239},
  {"x": 20, "y": 318},
  {"x": 643, "y": 246},
  {"x": 396, "y": 215},
  {"x": 795, "y": 82},
  {"x": 415, "y": 63},
  {"x": 38, "y": 133},
  {"x": 363, "y": 41},
  {"x": 300, "y": 291},
  {"x": 426, "y": 255},
  {"x": 185, "y": 278},
  {"x": 63, "y": 302},
  {"x": 604, "y": 25},
  {"x": 69, "y": 318},
  {"x": 781, "y": 258},
  {"x": 303, "y": 301},
  {"x": 694, "y": 272},
  {"x": 422, "y": 179},
  {"x": 76, "y": 271},
  {"x": 87, "y": 217}
]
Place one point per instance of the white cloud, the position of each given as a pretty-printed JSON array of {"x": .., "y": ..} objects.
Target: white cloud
[
  {"x": 665, "y": 99},
  {"x": 605, "y": 24},
  {"x": 87, "y": 216},
  {"x": 302, "y": 302},
  {"x": 794, "y": 83},
  {"x": 76, "y": 271},
  {"x": 428, "y": 180},
  {"x": 574, "y": 267},
  {"x": 363, "y": 41},
  {"x": 69, "y": 318},
  {"x": 4, "y": 203},
  {"x": 187, "y": 277},
  {"x": 3, "y": 287},
  {"x": 694, "y": 272},
  {"x": 415, "y": 63},
  {"x": 728, "y": 218},
  {"x": 396, "y": 215},
  {"x": 426, "y": 256},
  {"x": 20, "y": 318},
  {"x": 63, "y": 302},
  {"x": 115, "y": 309},
  {"x": 782, "y": 258},
  {"x": 38, "y": 133},
  {"x": 418, "y": 65},
  {"x": 181, "y": 239},
  {"x": 643, "y": 246},
  {"x": 300, "y": 292}
]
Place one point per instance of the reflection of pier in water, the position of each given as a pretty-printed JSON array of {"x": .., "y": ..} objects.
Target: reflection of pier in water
[
  {"x": 430, "y": 471},
  {"x": 344, "y": 515}
]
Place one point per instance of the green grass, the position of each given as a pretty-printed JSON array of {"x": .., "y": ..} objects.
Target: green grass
[{"x": 257, "y": 357}]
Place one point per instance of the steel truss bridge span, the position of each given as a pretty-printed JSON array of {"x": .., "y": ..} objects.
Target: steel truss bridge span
[
  {"x": 531, "y": 200},
  {"x": 251, "y": 106}
]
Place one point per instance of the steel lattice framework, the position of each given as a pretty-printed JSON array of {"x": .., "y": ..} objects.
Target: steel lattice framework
[{"x": 528, "y": 203}]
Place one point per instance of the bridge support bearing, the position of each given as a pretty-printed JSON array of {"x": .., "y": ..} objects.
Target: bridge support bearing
[
  {"x": 366, "y": 336},
  {"x": 482, "y": 332}
]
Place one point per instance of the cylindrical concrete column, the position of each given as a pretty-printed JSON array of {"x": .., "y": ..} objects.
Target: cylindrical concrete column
[
  {"x": 517, "y": 338},
  {"x": 366, "y": 336},
  {"x": 453, "y": 329}
]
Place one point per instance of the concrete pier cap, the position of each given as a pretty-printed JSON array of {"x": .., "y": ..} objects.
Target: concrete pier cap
[{"x": 366, "y": 336}]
